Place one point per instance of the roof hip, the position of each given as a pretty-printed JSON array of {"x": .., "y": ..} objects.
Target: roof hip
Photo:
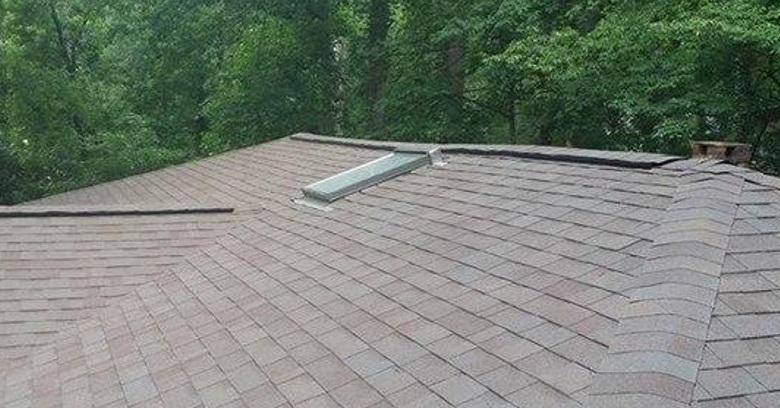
[{"x": 656, "y": 354}]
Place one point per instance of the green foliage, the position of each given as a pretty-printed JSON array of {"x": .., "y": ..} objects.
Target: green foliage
[
  {"x": 269, "y": 87},
  {"x": 643, "y": 76},
  {"x": 92, "y": 91}
]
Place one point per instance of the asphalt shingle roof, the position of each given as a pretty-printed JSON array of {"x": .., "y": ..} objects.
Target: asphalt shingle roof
[{"x": 511, "y": 276}]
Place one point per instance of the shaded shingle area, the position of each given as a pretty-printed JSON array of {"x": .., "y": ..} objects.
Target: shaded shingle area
[{"x": 484, "y": 282}]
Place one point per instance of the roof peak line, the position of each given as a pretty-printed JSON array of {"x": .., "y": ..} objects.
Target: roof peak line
[
  {"x": 109, "y": 210},
  {"x": 634, "y": 160}
]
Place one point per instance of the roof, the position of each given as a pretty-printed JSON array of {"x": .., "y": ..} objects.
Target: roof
[{"x": 511, "y": 276}]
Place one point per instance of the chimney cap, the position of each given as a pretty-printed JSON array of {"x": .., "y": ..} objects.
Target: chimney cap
[{"x": 733, "y": 152}]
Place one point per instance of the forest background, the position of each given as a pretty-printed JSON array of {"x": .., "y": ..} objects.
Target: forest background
[{"x": 96, "y": 90}]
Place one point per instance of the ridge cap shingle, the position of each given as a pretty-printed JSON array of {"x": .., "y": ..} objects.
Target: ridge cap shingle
[{"x": 654, "y": 308}]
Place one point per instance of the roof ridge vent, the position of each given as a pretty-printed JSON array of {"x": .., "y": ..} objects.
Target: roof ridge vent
[{"x": 401, "y": 161}]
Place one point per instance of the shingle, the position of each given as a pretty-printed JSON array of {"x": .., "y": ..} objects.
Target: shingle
[
  {"x": 611, "y": 240},
  {"x": 139, "y": 390},
  {"x": 246, "y": 377},
  {"x": 308, "y": 352},
  {"x": 753, "y": 325},
  {"x": 300, "y": 389},
  {"x": 184, "y": 396},
  {"x": 747, "y": 303},
  {"x": 516, "y": 320},
  {"x": 363, "y": 297},
  {"x": 767, "y": 374},
  {"x": 764, "y": 400},
  {"x": 423, "y": 332},
  {"x": 633, "y": 400},
  {"x": 647, "y": 361},
  {"x": 342, "y": 343},
  {"x": 510, "y": 347},
  {"x": 218, "y": 394},
  {"x": 367, "y": 363},
  {"x": 463, "y": 323},
  {"x": 417, "y": 396},
  {"x": 728, "y": 382},
  {"x": 487, "y": 400},
  {"x": 540, "y": 395},
  {"x": 548, "y": 335},
  {"x": 458, "y": 389},
  {"x": 450, "y": 346},
  {"x": 557, "y": 311},
  {"x": 265, "y": 352},
  {"x": 330, "y": 372},
  {"x": 283, "y": 370},
  {"x": 643, "y": 383},
  {"x": 356, "y": 394},
  {"x": 391, "y": 380},
  {"x": 583, "y": 351},
  {"x": 505, "y": 380},
  {"x": 207, "y": 377},
  {"x": 322, "y": 401},
  {"x": 430, "y": 369},
  {"x": 476, "y": 362}
]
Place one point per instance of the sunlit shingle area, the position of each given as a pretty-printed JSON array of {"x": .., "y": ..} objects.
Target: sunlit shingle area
[{"x": 495, "y": 280}]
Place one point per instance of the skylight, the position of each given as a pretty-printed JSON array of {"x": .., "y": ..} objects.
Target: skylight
[{"x": 369, "y": 174}]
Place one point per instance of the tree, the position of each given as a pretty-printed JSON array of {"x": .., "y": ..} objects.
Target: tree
[
  {"x": 378, "y": 26},
  {"x": 91, "y": 90}
]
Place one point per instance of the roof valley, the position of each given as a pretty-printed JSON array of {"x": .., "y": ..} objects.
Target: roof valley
[{"x": 658, "y": 347}]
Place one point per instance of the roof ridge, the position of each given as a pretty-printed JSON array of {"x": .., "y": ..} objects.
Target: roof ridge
[
  {"x": 664, "y": 339},
  {"x": 109, "y": 210},
  {"x": 716, "y": 166},
  {"x": 551, "y": 153}
]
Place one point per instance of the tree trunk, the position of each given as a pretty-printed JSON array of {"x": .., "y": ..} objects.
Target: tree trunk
[
  {"x": 455, "y": 53},
  {"x": 456, "y": 75},
  {"x": 68, "y": 50},
  {"x": 379, "y": 24},
  {"x": 316, "y": 26},
  {"x": 512, "y": 116}
]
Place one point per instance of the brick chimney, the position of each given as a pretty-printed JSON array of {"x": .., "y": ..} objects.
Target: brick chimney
[{"x": 734, "y": 153}]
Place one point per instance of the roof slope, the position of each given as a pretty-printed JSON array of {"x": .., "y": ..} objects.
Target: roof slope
[
  {"x": 511, "y": 276},
  {"x": 58, "y": 269}
]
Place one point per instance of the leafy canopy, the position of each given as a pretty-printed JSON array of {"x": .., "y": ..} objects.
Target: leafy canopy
[{"x": 92, "y": 90}]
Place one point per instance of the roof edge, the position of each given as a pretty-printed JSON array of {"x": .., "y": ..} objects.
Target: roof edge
[{"x": 560, "y": 154}]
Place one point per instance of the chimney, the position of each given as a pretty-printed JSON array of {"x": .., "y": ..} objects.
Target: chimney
[{"x": 734, "y": 153}]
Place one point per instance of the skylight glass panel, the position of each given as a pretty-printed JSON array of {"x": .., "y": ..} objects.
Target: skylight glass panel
[{"x": 366, "y": 175}]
